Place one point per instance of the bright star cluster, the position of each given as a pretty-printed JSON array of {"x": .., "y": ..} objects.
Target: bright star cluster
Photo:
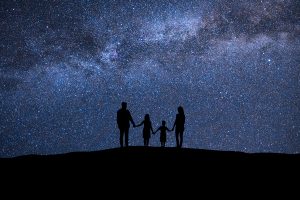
[{"x": 66, "y": 66}]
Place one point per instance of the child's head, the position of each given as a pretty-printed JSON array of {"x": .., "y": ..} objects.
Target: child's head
[
  {"x": 163, "y": 122},
  {"x": 147, "y": 117}
]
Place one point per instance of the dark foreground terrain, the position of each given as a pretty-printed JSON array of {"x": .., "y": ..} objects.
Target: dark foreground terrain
[
  {"x": 154, "y": 158},
  {"x": 152, "y": 169}
]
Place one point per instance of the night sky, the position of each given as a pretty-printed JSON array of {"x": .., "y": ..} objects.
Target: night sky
[{"x": 66, "y": 66}]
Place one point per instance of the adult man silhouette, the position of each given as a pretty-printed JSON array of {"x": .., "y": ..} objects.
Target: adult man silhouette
[{"x": 123, "y": 119}]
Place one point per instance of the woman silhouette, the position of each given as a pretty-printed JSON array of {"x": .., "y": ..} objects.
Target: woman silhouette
[{"x": 179, "y": 123}]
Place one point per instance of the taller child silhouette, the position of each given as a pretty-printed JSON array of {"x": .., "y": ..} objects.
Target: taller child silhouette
[
  {"x": 123, "y": 119},
  {"x": 147, "y": 128}
]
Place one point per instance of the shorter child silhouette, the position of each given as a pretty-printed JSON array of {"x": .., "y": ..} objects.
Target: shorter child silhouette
[
  {"x": 147, "y": 128},
  {"x": 163, "y": 133}
]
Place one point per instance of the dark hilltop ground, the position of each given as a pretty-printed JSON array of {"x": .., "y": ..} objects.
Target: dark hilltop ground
[
  {"x": 152, "y": 169},
  {"x": 155, "y": 157}
]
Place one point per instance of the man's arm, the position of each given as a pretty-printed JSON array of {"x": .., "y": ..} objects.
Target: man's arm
[
  {"x": 139, "y": 124},
  {"x": 130, "y": 118}
]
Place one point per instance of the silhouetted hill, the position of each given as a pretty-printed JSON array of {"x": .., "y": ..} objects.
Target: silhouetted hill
[
  {"x": 139, "y": 165},
  {"x": 156, "y": 156}
]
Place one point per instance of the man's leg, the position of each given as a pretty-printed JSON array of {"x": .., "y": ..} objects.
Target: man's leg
[
  {"x": 126, "y": 137},
  {"x": 121, "y": 137}
]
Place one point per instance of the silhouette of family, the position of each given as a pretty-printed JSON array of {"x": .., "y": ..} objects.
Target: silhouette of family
[{"x": 124, "y": 118}]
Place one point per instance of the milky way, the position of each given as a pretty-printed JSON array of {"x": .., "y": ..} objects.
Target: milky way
[{"x": 66, "y": 66}]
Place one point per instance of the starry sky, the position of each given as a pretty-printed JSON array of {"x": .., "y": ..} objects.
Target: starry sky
[{"x": 66, "y": 66}]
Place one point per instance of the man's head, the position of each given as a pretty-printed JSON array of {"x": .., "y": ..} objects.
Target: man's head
[
  {"x": 163, "y": 123},
  {"x": 147, "y": 117},
  {"x": 180, "y": 110},
  {"x": 124, "y": 105}
]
